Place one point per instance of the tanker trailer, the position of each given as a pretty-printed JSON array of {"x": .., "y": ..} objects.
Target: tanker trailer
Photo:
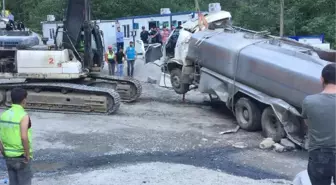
[{"x": 261, "y": 79}]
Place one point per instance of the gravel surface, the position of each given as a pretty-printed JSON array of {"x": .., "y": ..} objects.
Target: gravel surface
[
  {"x": 155, "y": 173},
  {"x": 157, "y": 140}
]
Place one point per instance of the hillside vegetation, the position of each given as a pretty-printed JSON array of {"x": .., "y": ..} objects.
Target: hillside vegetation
[{"x": 302, "y": 17}]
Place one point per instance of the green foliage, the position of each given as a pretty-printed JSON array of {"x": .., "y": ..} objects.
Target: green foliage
[{"x": 302, "y": 17}]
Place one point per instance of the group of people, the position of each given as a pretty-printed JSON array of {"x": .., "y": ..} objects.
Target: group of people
[
  {"x": 11, "y": 25},
  {"x": 118, "y": 59},
  {"x": 155, "y": 35}
]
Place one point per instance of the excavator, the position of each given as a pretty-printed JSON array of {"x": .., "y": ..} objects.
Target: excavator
[{"x": 60, "y": 78}]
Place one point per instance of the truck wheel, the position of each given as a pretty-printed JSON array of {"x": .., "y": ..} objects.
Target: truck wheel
[
  {"x": 271, "y": 126},
  {"x": 175, "y": 79},
  {"x": 247, "y": 114}
]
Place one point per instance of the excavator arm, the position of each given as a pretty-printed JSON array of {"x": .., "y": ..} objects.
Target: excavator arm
[{"x": 78, "y": 20}]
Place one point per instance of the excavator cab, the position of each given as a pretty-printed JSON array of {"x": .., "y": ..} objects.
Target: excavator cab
[{"x": 80, "y": 35}]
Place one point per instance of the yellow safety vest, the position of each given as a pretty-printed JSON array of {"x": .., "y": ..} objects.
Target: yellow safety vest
[
  {"x": 81, "y": 46},
  {"x": 110, "y": 56},
  {"x": 10, "y": 133}
]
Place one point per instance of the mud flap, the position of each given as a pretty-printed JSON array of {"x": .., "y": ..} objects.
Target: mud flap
[{"x": 165, "y": 80}]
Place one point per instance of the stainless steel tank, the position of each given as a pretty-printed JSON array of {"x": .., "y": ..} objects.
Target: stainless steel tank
[{"x": 273, "y": 67}]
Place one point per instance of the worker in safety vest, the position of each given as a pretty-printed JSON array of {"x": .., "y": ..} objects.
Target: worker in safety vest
[
  {"x": 109, "y": 58},
  {"x": 16, "y": 139},
  {"x": 81, "y": 44}
]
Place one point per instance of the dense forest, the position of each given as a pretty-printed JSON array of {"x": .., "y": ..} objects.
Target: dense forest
[{"x": 301, "y": 17}]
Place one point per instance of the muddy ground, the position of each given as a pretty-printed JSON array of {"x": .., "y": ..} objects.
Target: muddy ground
[{"x": 156, "y": 140}]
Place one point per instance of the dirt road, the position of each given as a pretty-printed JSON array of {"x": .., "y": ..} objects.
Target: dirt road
[{"x": 157, "y": 140}]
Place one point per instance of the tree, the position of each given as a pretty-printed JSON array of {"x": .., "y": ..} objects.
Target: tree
[{"x": 301, "y": 17}]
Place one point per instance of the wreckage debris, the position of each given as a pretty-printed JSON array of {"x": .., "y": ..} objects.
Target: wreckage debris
[
  {"x": 230, "y": 130},
  {"x": 278, "y": 147},
  {"x": 266, "y": 143},
  {"x": 287, "y": 144},
  {"x": 240, "y": 145},
  {"x": 284, "y": 145},
  {"x": 151, "y": 80}
]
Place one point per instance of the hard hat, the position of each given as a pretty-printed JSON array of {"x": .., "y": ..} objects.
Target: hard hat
[{"x": 109, "y": 47}]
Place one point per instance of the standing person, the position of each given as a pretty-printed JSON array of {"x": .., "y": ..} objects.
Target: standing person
[
  {"x": 16, "y": 139},
  {"x": 11, "y": 17},
  {"x": 158, "y": 37},
  {"x": 119, "y": 57},
  {"x": 109, "y": 58},
  {"x": 11, "y": 20},
  {"x": 144, "y": 35},
  {"x": 131, "y": 55},
  {"x": 318, "y": 110},
  {"x": 120, "y": 39},
  {"x": 153, "y": 33},
  {"x": 165, "y": 34},
  {"x": 179, "y": 26}
]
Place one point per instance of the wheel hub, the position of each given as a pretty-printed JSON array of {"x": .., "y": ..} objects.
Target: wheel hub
[
  {"x": 176, "y": 81},
  {"x": 246, "y": 114}
]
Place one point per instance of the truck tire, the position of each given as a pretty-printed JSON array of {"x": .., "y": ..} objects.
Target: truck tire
[
  {"x": 247, "y": 114},
  {"x": 271, "y": 126},
  {"x": 175, "y": 79}
]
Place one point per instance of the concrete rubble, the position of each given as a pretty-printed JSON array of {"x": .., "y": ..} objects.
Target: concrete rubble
[
  {"x": 266, "y": 143},
  {"x": 283, "y": 146},
  {"x": 278, "y": 147}
]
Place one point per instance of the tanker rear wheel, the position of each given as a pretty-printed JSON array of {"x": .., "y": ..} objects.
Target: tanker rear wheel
[
  {"x": 248, "y": 115},
  {"x": 271, "y": 126},
  {"x": 175, "y": 79}
]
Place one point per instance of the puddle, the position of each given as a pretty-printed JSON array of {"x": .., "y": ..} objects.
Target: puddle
[{"x": 47, "y": 167}]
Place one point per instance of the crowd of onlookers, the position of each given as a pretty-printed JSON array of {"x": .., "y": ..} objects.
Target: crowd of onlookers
[
  {"x": 155, "y": 35},
  {"x": 115, "y": 58}
]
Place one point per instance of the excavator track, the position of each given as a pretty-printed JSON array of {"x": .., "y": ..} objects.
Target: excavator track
[
  {"x": 128, "y": 88},
  {"x": 63, "y": 97}
]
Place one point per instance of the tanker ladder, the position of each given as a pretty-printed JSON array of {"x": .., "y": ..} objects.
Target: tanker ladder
[{"x": 63, "y": 97}]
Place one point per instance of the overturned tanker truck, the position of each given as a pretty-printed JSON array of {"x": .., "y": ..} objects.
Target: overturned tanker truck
[{"x": 262, "y": 79}]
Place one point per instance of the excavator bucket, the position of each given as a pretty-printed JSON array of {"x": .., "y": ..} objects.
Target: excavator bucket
[{"x": 153, "y": 53}]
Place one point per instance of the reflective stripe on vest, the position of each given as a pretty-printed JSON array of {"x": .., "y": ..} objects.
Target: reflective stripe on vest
[
  {"x": 81, "y": 46},
  {"x": 109, "y": 56},
  {"x": 10, "y": 133}
]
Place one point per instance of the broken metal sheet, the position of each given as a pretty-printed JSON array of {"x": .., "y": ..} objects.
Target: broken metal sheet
[
  {"x": 230, "y": 131},
  {"x": 288, "y": 115}
]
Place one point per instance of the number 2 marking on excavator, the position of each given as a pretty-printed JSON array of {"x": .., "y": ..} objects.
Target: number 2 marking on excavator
[{"x": 51, "y": 61}]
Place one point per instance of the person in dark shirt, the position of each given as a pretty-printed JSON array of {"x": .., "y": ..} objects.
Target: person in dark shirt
[
  {"x": 144, "y": 35},
  {"x": 153, "y": 34},
  {"x": 20, "y": 26},
  {"x": 318, "y": 110},
  {"x": 119, "y": 57},
  {"x": 179, "y": 25},
  {"x": 158, "y": 37}
]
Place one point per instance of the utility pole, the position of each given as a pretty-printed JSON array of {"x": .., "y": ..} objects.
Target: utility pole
[{"x": 282, "y": 17}]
